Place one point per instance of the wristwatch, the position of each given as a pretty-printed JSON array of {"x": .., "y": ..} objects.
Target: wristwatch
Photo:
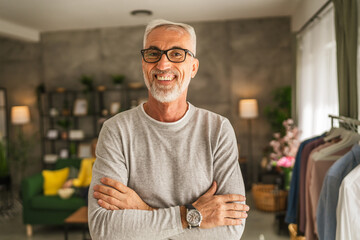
[{"x": 193, "y": 216}]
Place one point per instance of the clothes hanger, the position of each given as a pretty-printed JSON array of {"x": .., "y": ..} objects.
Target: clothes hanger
[
  {"x": 348, "y": 138},
  {"x": 334, "y": 133}
]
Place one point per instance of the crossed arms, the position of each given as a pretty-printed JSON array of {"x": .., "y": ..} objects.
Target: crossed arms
[{"x": 217, "y": 210}]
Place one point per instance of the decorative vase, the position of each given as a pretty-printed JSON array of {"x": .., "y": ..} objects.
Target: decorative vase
[
  {"x": 287, "y": 178},
  {"x": 64, "y": 135}
]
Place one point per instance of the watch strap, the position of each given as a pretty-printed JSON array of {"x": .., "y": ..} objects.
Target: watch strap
[{"x": 190, "y": 206}]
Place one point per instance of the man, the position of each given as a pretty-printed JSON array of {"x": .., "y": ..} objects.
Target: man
[{"x": 166, "y": 169}]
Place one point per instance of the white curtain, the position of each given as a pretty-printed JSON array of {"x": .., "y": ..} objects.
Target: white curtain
[{"x": 316, "y": 80}]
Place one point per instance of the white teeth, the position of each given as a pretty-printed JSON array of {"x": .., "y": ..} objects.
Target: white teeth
[{"x": 165, "y": 78}]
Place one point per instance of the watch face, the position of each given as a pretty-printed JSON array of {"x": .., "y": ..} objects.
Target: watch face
[{"x": 193, "y": 217}]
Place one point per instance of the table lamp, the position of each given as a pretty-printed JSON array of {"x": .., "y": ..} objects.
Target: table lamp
[
  {"x": 248, "y": 109},
  {"x": 20, "y": 115}
]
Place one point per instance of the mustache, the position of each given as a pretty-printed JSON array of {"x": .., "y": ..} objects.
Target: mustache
[{"x": 156, "y": 71}]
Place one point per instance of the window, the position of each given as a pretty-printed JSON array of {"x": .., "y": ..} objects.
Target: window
[{"x": 316, "y": 80}]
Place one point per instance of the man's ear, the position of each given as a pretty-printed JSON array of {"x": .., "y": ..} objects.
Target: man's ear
[{"x": 195, "y": 67}]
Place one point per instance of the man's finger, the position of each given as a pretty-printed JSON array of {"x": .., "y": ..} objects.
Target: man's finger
[
  {"x": 106, "y": 205},
  {"x": 233, "y": 198},
  {"x": 235, "y": 214},
  {"x": 237, "y": 207},
  {"x": 232, "y": 221},
  {"x": 212, "y": 190},
  {"x": 108, "y": 191},
  {"x": 109, "y": 199},
  {"x": 115, "y": 184}
]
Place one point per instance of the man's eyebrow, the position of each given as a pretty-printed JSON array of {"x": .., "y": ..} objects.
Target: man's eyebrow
[{"x": 154, "y": 47}]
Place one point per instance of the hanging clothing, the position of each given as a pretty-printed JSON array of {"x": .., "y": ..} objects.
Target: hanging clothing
[
  {"x": 293, "y": 195},
  {"x": 316, "y": 172},
  {"x": 303, "y": 165},
  {"x": 348, "y": 207},
  {"x": 326, "y": 210}
]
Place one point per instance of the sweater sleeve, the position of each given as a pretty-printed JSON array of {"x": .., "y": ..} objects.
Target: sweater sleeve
[
  {"x": 125, "y": 224},
  {"x": 227, "y": 173}
]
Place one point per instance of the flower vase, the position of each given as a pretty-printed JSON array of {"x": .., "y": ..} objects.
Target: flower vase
[{"x": 287, "y": 178}]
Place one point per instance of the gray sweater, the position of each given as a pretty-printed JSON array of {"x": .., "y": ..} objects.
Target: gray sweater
[{"x": 168, "y": 165}]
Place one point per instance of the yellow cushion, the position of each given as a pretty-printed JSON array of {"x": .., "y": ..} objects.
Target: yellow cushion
[{"x": 54, "y": 179}]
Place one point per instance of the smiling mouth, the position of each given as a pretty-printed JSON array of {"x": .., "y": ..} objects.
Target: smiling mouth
[{"x": 165, "y": 78}]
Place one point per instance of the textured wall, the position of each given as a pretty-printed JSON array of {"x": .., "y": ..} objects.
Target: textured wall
[
  {"x": 238, "y": 59},
  {"x": 261, "y": 61},
  {"x": 20, "y": 75}
]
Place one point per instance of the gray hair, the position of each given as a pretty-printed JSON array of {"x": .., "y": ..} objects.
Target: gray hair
[{"x": 161, "y": 22}]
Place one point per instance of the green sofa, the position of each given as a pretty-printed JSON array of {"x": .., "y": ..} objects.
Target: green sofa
[{"x": 41, "y": 209}]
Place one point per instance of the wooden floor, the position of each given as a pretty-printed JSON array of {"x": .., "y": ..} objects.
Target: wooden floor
[{"x": 259, "y": 226}]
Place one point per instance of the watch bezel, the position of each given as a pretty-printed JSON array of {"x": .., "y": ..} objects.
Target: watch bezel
[{"x": 192, "y": 223}]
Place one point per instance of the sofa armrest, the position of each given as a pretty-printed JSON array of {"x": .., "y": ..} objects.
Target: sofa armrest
[{"x": 32, "y": 186}]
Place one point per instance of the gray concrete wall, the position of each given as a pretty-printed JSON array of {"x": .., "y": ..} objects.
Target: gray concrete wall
[
  {"x": 20, "y": 74},
  {"x": 238, "y": 59}
]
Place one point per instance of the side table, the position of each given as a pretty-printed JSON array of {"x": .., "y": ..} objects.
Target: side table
[{"x": 79, "y": 217}]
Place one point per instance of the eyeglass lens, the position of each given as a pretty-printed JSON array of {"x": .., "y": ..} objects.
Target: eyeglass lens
[{"x": 174, "y": 55}]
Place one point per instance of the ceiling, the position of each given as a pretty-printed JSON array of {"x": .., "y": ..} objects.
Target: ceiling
[{"x": 35, "y": 16}]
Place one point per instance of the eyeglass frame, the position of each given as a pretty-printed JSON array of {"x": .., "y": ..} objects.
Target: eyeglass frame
[{"x": 165, "y": 52}]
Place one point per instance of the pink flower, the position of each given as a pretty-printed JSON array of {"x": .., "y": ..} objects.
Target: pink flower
[
  {"x": 286, "y": 162},
  {"x": 277, "y": 135},
  {"x": 286, "y": 150},
  {"x": 273, "y": 156},
  {"x": 285, "y": 145}
]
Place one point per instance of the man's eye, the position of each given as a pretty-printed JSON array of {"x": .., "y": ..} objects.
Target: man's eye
[
  {"x": 176, "y": 53},
  {"x": 153, "y": 54}
]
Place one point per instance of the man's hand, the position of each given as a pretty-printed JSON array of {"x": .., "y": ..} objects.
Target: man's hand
[
  {"x": 114, "y": 195},
  {"x": 220, "y": 210}
]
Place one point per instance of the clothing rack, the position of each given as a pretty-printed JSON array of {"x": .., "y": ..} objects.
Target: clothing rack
[{"x": 350, "y": 122}]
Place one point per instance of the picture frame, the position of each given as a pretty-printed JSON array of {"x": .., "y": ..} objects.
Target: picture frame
[
  {"x": 80, "y": 107},
  {"x": 76, "y": 134},
  {"x": 115, "y": 108},
  {"x": 84, "y": 150},
  {"x": 52, "y": 134}
]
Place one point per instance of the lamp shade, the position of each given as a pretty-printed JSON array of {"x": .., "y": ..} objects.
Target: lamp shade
[
  {"x": 20, "y": 114},
  {"x": 248, "y": 108}
]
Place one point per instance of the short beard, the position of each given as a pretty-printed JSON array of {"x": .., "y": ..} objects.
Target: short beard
[{"x": 165, "y": 94}]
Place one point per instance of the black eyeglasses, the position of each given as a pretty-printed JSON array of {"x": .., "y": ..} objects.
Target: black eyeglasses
[{"x": 175, "y": 55}]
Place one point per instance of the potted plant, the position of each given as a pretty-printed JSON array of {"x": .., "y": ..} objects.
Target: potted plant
[
  {"x": 87, "y": 82},
  {"x": 118, "y": 80},
  {"x": 278, "y": 112},
  {"x": 20, "y": 152},
  {"x": 64, "y": 124},
  {"x": 4, "y": 168},
  {"x": 89, "y": 87}
]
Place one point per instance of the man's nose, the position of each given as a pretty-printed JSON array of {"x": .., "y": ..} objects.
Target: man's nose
[{"x": 163, "y": 63}]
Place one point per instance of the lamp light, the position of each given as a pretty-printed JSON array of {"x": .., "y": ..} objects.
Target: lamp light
[
  {"x": 248, "y": 109},
  {"x": 20, "y": 115}
]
